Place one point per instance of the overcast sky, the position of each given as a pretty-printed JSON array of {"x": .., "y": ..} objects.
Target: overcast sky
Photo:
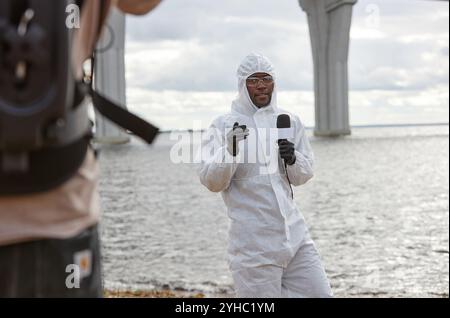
[{"x": 181, "y": 59}]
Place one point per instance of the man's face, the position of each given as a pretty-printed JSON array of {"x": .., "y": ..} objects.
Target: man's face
[{"x": 260, "y": 87}]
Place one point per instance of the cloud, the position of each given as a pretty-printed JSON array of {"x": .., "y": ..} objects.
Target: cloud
[
  {"x": 390, "y": 52},
  {"x": 197, "y": 45},
  {"x": 194, "y": 47},
  {"x": 184, "y": 109}
]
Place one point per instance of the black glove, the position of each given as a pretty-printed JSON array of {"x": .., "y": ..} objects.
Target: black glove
[
  {"x": 287, "y": 151},
  {"x": 234, "y": 136}
]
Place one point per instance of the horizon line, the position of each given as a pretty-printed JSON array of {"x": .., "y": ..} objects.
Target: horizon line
[{"x": 351, "y": 126}]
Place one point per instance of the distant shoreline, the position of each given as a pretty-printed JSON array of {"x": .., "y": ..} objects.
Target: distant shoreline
[{"x": 311, "y": 128}]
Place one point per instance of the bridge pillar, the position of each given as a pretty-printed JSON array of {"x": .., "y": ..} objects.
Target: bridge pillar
[
  {"x": 109, "y": 76},
  {"x": 329, "y": 26}
]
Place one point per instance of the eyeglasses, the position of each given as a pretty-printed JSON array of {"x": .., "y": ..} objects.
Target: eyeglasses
[{"x": 253, "y": 81}]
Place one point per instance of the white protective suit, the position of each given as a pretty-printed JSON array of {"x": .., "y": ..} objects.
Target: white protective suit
[{"x": 270, "y": 251}]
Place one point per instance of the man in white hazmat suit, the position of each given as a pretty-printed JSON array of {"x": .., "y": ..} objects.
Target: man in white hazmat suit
[{"x": 271, "y": 253}]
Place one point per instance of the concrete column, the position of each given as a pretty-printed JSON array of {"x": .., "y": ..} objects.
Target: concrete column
[
  {"x": 329, "y": 25},
  {"x": 109, "y": 76}
]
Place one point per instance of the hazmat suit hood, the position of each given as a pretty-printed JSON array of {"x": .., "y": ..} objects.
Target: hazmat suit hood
[{"x": 251, "y": 64}]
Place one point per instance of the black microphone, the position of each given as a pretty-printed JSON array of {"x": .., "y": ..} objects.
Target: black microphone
[
  {"x": 283, "y": 121},
  {"x": 236, "y": 125}
]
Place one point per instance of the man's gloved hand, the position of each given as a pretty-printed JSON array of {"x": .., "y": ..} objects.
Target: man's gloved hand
[
  {"x": 287, "y": 151},
  {"x": 235, "y": 135}
]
